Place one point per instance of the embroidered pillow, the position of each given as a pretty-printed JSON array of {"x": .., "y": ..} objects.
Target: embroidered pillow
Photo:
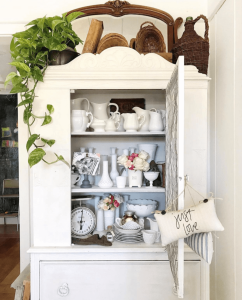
[{"x": 176, "y": 225}]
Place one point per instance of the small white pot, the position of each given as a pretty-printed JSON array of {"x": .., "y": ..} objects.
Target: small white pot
[{"x": 135, "y": 178}]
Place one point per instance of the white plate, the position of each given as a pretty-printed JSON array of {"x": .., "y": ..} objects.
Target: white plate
[
  {"x": 126, "y": 231},
  {"x": 129, "y": 242}
]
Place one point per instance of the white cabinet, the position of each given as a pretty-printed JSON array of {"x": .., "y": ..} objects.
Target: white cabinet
[
  {"x": 114, "y": 280},
  {"x": 144, "y": 271}
]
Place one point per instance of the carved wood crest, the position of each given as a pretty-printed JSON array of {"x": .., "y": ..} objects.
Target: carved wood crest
[{"x": 117, "y": 6}]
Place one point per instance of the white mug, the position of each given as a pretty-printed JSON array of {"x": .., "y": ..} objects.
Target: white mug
[
  {"x": 150, "y": 236},
  {"x": 121, "y": 182}
]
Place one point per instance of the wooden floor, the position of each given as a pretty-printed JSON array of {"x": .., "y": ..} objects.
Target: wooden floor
[{"x": 9, "y": 260}]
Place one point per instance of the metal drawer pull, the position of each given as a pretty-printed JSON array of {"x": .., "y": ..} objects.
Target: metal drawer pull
[{"x": 63, "y": 290}]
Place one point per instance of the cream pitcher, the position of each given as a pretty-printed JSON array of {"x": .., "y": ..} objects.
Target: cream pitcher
[
  {"x": 142, "y": 112},
  {"x": 133, "y": 122},
  {"x": 100, "y": 110},
  {"x": 156, "y": 124}
]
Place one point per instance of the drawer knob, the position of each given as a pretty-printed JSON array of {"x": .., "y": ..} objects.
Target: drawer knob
[{"x": 63, "y": 290}]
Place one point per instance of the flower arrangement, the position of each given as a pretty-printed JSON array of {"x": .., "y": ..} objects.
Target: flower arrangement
[
  {"x": 111, "y": 202},
  {"x": 135, "y": 161}
]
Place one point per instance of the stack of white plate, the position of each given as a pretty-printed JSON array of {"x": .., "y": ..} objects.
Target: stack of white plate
[{"x": 128, "y": 236}]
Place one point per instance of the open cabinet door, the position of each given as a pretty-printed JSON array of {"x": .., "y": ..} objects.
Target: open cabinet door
[{"x": 175, "y": 166}]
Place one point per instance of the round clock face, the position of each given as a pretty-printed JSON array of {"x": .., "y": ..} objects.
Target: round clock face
[{"x": 83, "y": 221}]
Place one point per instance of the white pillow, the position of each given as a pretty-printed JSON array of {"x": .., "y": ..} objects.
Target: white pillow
[{"x": 176, "y": 225}]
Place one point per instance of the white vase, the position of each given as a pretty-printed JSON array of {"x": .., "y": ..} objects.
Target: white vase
[
  {"x": 150, "y": 149},
  {"x": 100, "y": 220},
  {"x": 125, "y": 172},
  {"x": 114, "y": 173},
  {"x": 108, "y": 218},
  {"x": 135, "y": 178},
  {"x": 105, "y": 181}
]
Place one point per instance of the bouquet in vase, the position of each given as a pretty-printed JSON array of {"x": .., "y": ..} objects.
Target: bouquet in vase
[
  {"x": 111, "y": 202},
  {"x": 135, "y": 161}
]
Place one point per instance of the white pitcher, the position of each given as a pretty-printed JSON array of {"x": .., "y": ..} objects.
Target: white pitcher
[
  {"x": 156, "y": 123},
  {"x": 142, "y": 112},
  {"x": 154, "y": 226},
  {"x": 79, "y": 120},
  {"x": 111, "y": 125},
  {"x": 76, "y": 104},
  {"x": 133, "y": 122},
  {"x": 98, "y": 125},
  {"x": 100, "y": 110}
]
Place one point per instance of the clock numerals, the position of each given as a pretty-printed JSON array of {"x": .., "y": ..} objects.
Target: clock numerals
[{"x": 83, "y": 221}]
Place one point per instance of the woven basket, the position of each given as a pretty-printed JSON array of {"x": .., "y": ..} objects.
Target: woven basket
[
  {"x": 112, "y": 40},
  {"x": 149, "y": 39},
  {"x": 132, "y": 43}
]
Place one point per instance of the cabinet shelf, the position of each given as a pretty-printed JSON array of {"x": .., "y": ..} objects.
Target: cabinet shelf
[
  {"x": 96, "y": 189},
  {"x": 162, "y": 133}
]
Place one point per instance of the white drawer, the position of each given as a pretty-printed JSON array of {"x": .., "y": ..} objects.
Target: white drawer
[{"x": 109, "y": 280}]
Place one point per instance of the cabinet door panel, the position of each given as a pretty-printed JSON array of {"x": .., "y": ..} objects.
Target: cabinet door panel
[{"x": 108, "y": 280}]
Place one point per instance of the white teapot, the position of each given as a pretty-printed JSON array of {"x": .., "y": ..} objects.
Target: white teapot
[{"x": 133, "y": 122}]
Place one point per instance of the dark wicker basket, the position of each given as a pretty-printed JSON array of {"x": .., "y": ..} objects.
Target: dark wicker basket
[
  {"x": 194, "y": 48},
  {"x": 149, "y": 39}
]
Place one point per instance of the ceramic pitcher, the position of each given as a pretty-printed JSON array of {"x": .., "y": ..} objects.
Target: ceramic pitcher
[
  {"x": 100, "y": 110},
  {"x": 156, "y": 123},
  {"x": 111, "y": 125},
  {"x": 76, "y": 104},
  {"x": 98, "y": 125},
  {"x": 79, "y": 120},
  {"x": 133, "y": 122},
  {"x": 143, "y": 112}
]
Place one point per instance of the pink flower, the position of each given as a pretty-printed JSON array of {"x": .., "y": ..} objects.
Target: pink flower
[
  {"x": 116, "y": 204},
  {"x": 127, "y": 164},
  {"x": 112, "y": 198},
  {"x": 134, "y": 155},
  {"x": 132, "y": 167},
  {"x": 131, "y": 158}
]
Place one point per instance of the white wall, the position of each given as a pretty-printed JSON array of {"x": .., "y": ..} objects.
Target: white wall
[{"x": 226, "y": 145}]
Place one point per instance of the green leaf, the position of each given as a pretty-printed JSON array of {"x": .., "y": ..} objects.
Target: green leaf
[
  {"x": 19, "y": 88},
  {"x": 40, "y": 55},
  {"x": 61, "y": 158},
  {"x": 71, "y": 17},
  {"x": 9, "y": 78},
  {"x": 24, "y": 102},
  {"x": 27, "y": 115},
  {"x": 48, "y": 142},
  {"x": 23, "y": 73},
  {"x": 25, "y": 52},
  {"x": 47, "y": 120},
  {"x": 12, "y": 45},
  {"x": 50, "y": 108},
  {"x": 20, "y": 65},
  {"x": 55, "y": 23},
  {"x": 34, "y": 22},
  {"x": 37, "y": 74},
  {"x": 41, "y": 23},
  {"x": 31, "y": 140},
  {"x": 35, "y": 156},
  {"x": 64, "y": 15},
  {"x": 16, "y": 80}
]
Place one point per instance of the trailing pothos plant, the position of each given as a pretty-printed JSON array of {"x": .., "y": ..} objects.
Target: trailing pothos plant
[{"x": 30, "y": 54}]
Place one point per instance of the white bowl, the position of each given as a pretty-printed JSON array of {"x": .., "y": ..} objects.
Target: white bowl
[
  {"x": 151, "y": 175},
  {"x": 142, "y": 208}
]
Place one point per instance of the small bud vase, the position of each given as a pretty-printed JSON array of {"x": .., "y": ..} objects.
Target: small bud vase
[
  {"x": 114, "y": 173},
  {"x": 135, "y": 178},
  {"x": 105, "y": 181}
]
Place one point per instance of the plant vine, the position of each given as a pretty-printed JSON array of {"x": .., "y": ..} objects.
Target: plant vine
[{"x": 30, "y": 54}]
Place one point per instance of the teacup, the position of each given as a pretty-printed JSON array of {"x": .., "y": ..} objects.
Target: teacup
[{"x": 150, "y": 236}]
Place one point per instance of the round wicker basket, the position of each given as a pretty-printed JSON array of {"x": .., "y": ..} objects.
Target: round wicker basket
[
  {"x": 149, "y": 39},
  {"x": 111, "y": 40}
]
